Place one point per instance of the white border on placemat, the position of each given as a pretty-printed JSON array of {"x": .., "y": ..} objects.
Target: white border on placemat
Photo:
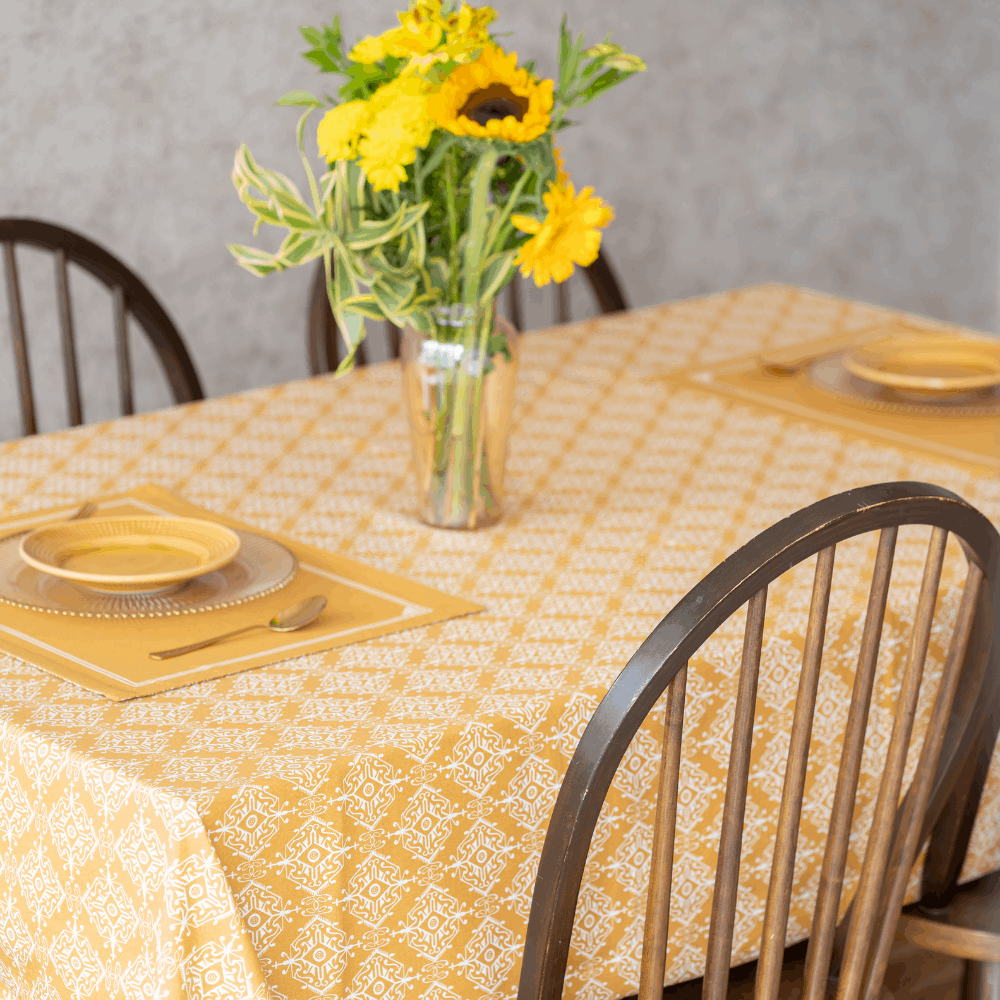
[{"x": 410, "y": 610}]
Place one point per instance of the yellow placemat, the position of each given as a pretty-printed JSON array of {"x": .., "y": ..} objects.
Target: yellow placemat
[
  {"x": 969, "y": 439},
  {"x": 111, "y": 656}
]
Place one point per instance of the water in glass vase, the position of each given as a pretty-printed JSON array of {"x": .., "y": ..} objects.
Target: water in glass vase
[{"x": 459, "y": 386}]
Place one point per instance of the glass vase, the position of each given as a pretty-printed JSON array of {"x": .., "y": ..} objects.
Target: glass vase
[{"x": 459, "y": 387}]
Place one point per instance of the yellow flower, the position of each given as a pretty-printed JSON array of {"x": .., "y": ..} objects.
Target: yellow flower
[
  {"x": 425, "y": 36},
  {"x": 561, "y": 175},
  {"x": 385, "y": 152},
  {"x": 385, "y": 131},
  {"x": 340, "y": 130},
  {"x": 569, "y": 234},
  {"x": 492, "y": 98},
  {"x": 372, "y": 49}
]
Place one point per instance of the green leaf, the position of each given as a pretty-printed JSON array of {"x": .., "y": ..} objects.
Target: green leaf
[
  {"x": 263, "y": 211},
  {"x": 610, "y": 78},
  {"x": 422, "y": 321},
  {"x": 434, "y": 160},
  {"x": 394, "y": 294},
  {"x": 342, "y": 287},
  {"x": 497, "y": 272},
  {"x": 364, "y": 305},
  {"x": 372, "y": 233},
  {"x": 299, "y": 99},
  {"x": 352, "y": 332},
  {"x": 298, "y": 248},
  {"x": 322, "y": 60},
  {"x": 345, "y": 285},
  {"x": 312, "y": 35},
  {"x": 440, "y": 273},
  {"x": 258, "y": 262},
  {"x": 294, "y": 213}
]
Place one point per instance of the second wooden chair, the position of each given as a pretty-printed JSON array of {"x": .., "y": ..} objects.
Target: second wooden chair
[
  {"x": 848, "y": 962},
  {"x": 129, "y": 295}
]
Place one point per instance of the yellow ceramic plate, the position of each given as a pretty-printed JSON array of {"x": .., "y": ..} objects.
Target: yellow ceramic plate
[
  {"x": 926, "y": 364},
  {"x": 130, "y": 554}
]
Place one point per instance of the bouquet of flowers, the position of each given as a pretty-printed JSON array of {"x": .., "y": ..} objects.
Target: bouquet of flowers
[{"x": 443, "y": 177}]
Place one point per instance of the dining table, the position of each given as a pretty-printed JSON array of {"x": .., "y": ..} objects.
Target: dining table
[{"x": 366, "y": 821}]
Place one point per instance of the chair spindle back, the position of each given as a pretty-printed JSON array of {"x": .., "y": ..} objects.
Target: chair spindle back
[
  {"x": 897, "y": 829},
  {"x": 130, "y": 296}
]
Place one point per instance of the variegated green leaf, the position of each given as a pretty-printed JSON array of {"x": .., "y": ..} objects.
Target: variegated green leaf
[
  {"x": 263, "y": 211},
  {"x": 372, "y": 233},
  {"x": 366, "y": 305},
  {"x": 394, "y": 294},
  {"x": 258, "y": 262},
  {"x": 437, "y": 268},
  {"x": 294, "y": 214},
  {"x": 300, "y": 248},
  {"x": 421, "y": 320},
  {"x": 352, "y": 330},
  {"x": 496, "y": 273}
]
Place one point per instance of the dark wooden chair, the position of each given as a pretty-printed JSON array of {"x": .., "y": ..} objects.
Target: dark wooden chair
[
  {"x": 129, "y": 295},
  {"x": 962, "y": 921},
  {"x": 847, "y": 961},
  {"x": 326, "y": 349}
]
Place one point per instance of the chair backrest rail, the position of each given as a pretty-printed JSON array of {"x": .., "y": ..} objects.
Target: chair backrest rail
[
  {"x": 727, "y": 874},
  {"x": 779, "y": 892},
  {"x": 122, "y": 351},
  {"x": 562, "y": 302},
  {"x": 870, "y": 886},
  {"x": 905, "y": 849},
  {"x": 70, "y": 370},
  {"x": 20, "y": 342},
  {"x": 131, "y": 298},
  {"x": 657, "y": 928},
  {"x": 831, "y": 880}
]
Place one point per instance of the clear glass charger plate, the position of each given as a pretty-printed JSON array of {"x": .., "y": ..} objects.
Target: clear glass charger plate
[
  {"x": 261, "y": 567},
  {"x": 829, "y": 374}
]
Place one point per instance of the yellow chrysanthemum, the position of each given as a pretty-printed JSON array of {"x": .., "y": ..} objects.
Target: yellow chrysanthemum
[
  {"x": 385, "y": 131},
  {"x": 340, "y": 130},
  {"x": 570, "y": 234},
  {"x": 492, "y": 98}
]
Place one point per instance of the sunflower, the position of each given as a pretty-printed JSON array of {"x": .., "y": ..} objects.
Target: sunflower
[
  {"x": 570, "y": 233},
  {"x": 492, "y": 98}
]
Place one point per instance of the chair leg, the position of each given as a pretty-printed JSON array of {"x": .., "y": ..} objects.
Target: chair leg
[{"x": 982, "y": 981}]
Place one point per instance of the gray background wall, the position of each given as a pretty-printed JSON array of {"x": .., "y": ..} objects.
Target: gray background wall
[{"x": 849, "y": 146}]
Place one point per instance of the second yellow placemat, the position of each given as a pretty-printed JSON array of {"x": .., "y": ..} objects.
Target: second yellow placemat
[
  {"x": 972, "y": 440},
  {"x": 111, "y": 656}
]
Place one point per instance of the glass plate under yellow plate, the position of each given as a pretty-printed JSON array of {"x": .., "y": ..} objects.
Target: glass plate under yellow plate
[
  {"x": 829, "y": 374},
  {"x": 926, "y": 364},
  {"x": 262, "y": 566}
]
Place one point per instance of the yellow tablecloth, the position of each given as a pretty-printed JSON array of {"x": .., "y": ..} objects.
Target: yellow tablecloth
[{"x": 366, "y": 822}]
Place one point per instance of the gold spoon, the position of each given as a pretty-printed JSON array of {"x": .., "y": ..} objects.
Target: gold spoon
[{"x": 297, "y": 616}]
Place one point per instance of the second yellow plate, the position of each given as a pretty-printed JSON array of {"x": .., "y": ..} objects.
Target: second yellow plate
[
  {"x": 130, "y": 554},
  {"x": 926, "y": 363}
]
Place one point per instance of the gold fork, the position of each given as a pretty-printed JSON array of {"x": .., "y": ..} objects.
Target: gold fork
[{"x": 84, "y": 510}]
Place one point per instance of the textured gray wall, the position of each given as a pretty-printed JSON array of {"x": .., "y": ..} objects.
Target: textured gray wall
[{"x": 849, "y": 146}]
